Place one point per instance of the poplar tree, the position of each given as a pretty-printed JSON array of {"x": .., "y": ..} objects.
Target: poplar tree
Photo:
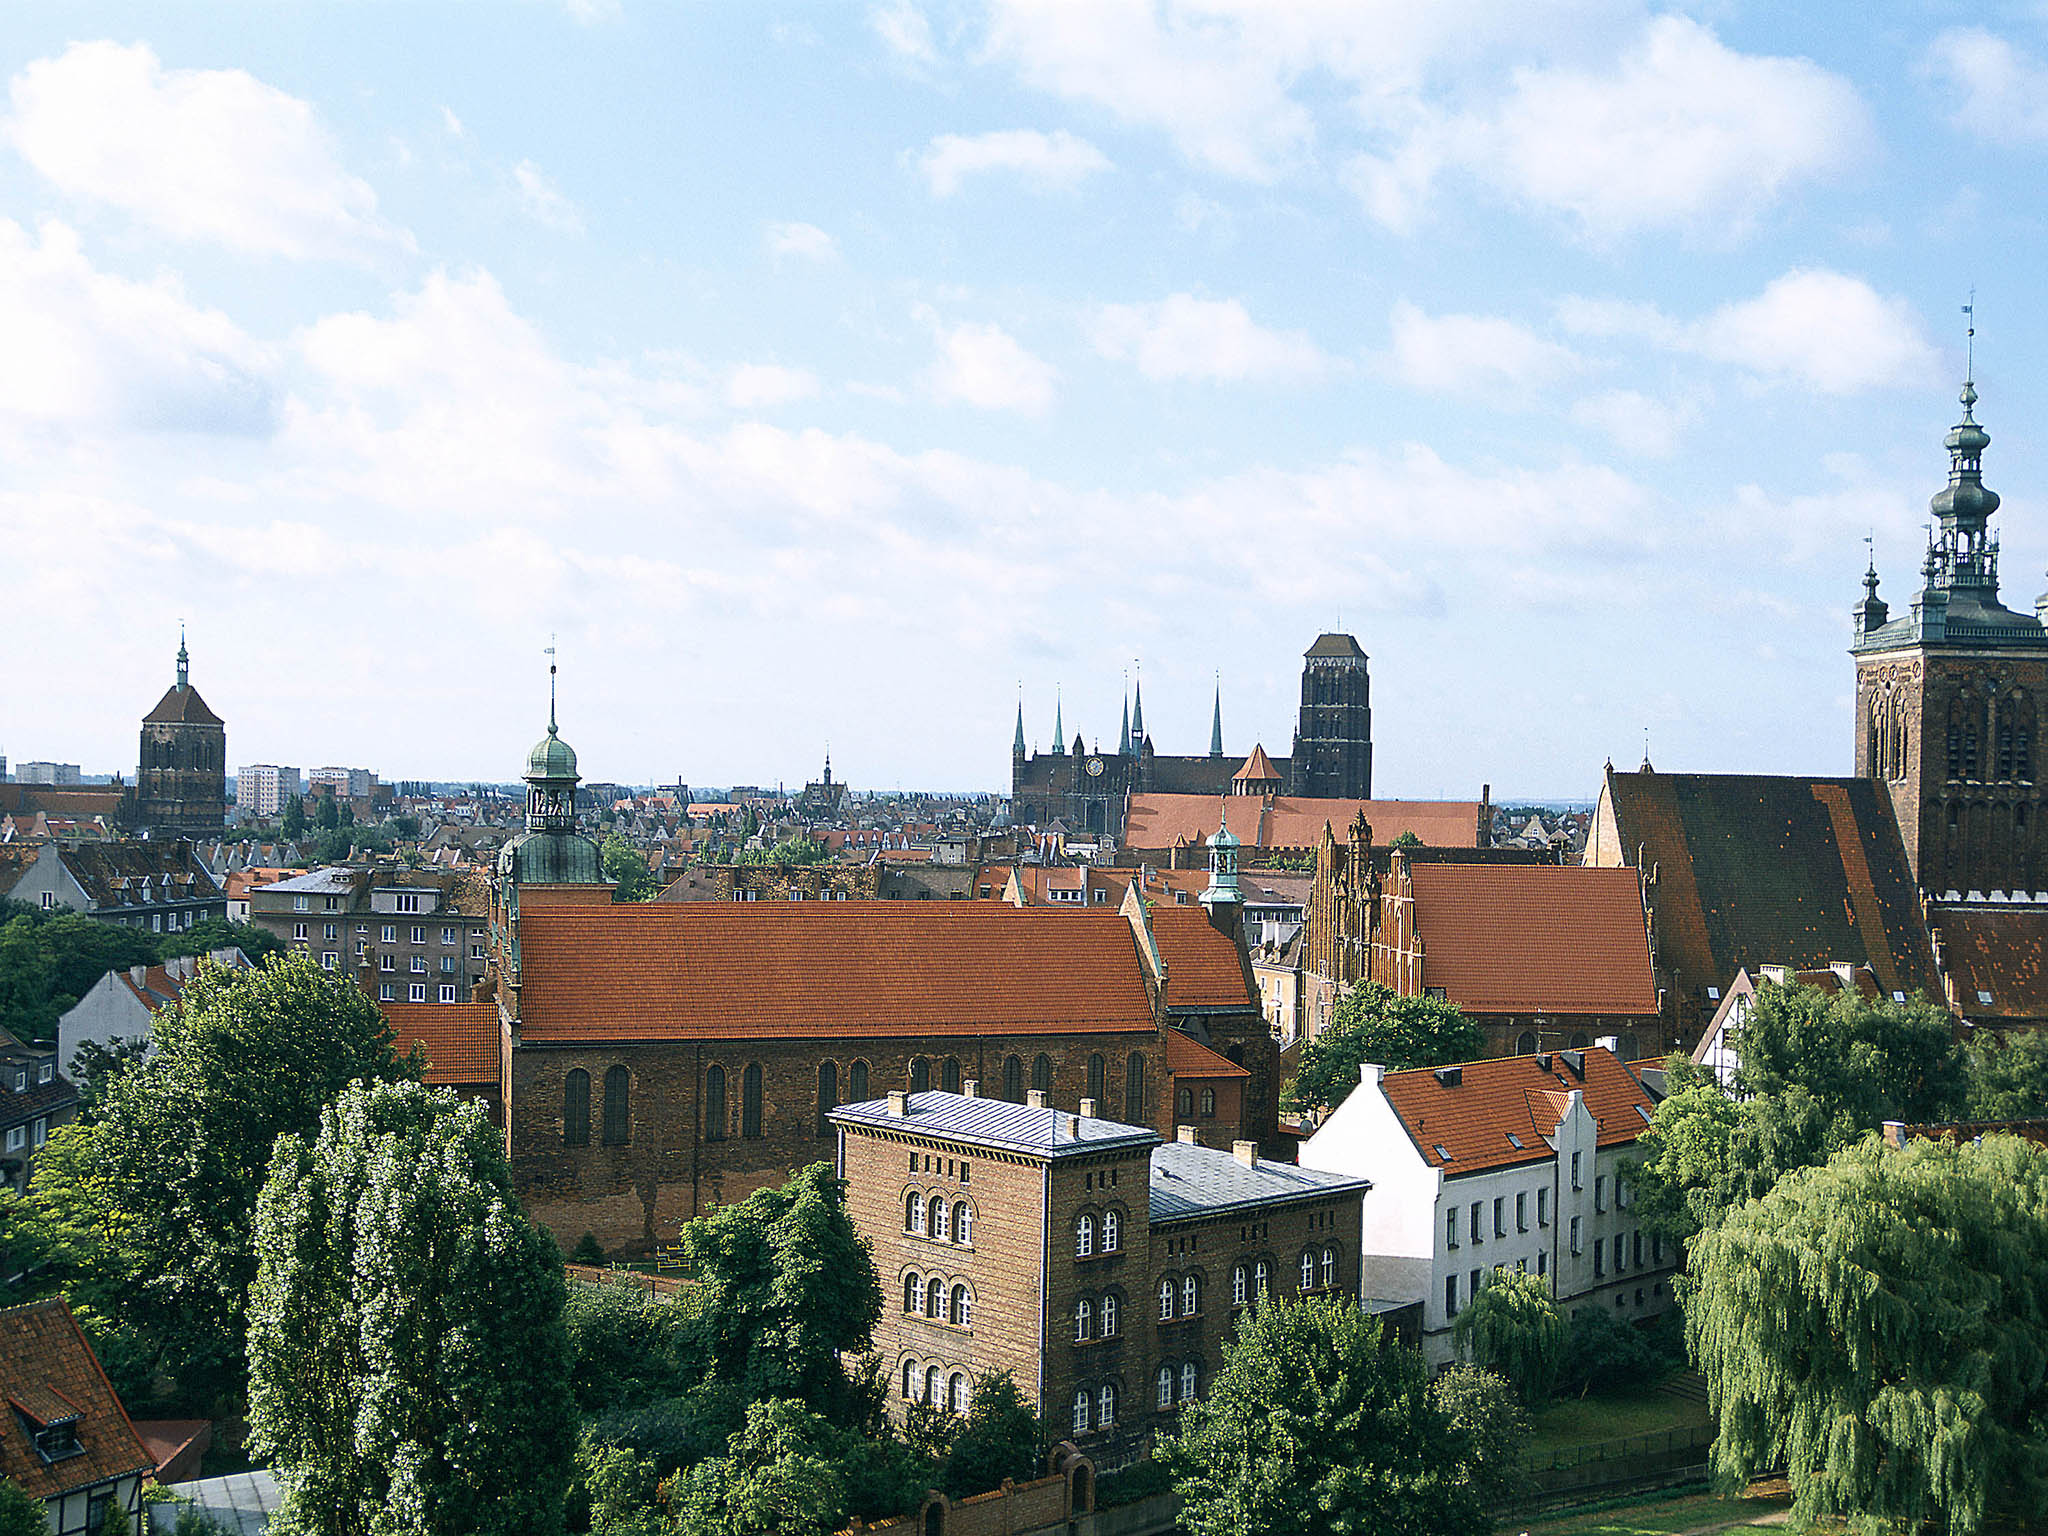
[
  {"x": 1878, "y": 1326},
  {"x": 409, "y": 1366}
]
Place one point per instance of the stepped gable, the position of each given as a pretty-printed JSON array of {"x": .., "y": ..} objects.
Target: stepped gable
[
  {"x": 1535, "y": 938},
  {"x": 1523, "y": 1097},
  {"x": 826, "y": 970}
]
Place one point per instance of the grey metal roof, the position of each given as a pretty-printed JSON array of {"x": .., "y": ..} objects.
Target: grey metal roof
[
  {"x": 998, "y": 1124},
  {"x": 1188, "y": 1180},
  {"x": 331, "y": 881}
]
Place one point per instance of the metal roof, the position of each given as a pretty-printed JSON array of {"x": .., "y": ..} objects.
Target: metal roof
[
  {"x": 997, "y": 1124},
  {"x": 333, "y": 880},
  {"x": 1190, "y": 1180}
]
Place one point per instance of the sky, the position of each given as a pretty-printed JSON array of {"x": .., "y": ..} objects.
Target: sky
[{"x": 819, "y": 375}]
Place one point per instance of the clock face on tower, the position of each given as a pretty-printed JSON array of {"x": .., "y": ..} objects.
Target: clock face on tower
[{"x": 1094, "y": 767}]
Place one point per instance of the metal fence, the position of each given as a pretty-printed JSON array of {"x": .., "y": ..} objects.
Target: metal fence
[{"x": 1606, "y": 1464}]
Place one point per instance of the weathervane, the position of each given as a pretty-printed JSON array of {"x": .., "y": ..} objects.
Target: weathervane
[{"x": 1970, "y": 336}]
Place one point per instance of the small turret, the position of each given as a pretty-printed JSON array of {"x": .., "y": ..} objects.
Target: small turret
[
  {"x": 1872, "y": 613},
  {"x": 1223, "y": 849},
  {"x": 184, "y": 661}
]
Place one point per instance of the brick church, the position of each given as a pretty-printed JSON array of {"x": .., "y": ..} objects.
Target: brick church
[
  {"x": 656, "y": 1060},
  {"x": 1089, "y": 791}
]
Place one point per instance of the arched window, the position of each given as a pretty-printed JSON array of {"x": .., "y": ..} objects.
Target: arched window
[
  {"x": 941, "y": 1222},
  {"x": 1109, "y": 1315},
  {"x": 931, "y": 1385},
  {"x": 961, "y": 1311},
  {"x": 576, "y": 1108},
  {"x": 618, "y": 1113},
  {"x": 1184, "y": 1103},
  {"x": 750, "y": 1100},
  {"x": 1134, "y": 1089},
  {"x": 1013, "y": 1079},
  {"x": 956, "y": 1393},
  {"x": 1308, "y": 1270},
  {"x": 1084, "y": 1237},
  {"x": 714, "y": 1104},
  {"x": 920, "y": 1075},
  {"x": 1095, "y": 1077},
  {"x": 1081, "y": 1412},
  {"x": 911, "y": 1291},
  {"x": 1237, "y": 1286},
  {"x": 1105, "y": 1405},
  {"x": 1166, "y": 1386},
  {"x": 1629, "y": 1046},
  {"x": 828, "y": 1095},
  {"x": 1208, "y": 1103},
  {"x": 1187, "y": 1381},
  {"x": 1259, "y": 1280},
  {"x": 1579, "y": 1040},
  {"x": 913, "y": 1214},
  {"x": 1525, "y": 1043},
  {"x": 1190, "y": 1294},
  {"x": 1166, "y": 1299},
  {"x": 857, "y": 1083},
  {"x": 1112, "y": 1231},
  {"x": 949, "y": 1074},
  {"x": 909, "y": 1377},
  {"x": 1084, "y": 1320},
  {"x": 935, "y": 1298},
  {"x": 1329, "y": 1266},
  {"x": 1041, "y": 1072}
]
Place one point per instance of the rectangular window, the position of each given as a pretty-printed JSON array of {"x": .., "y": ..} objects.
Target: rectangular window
[
  {"x": 447, "y": 965},
  {"x": 301, "y": 903},
  {"x": 1500, "y": 1215},
  {"x": 387, "y": 963},
  {"x": 419, "y": 965},
  {"x": 1450, "y": 1284},
  {"x": 1542, "y": 1262},
  {"x": 328, "y": 960},
  {"x": 476, "y": 951},
  {"x": 409, "y": 902},
  {"x": 390, "y": 934},
  {"x": 1620, "y": 1253},
  {"x": 447, "y": 993},
  {"x": 1542, "y": 1207},
  {"x": 1476, "y": 1237},
  {"x": 1575, "y": 1235},
  {"x": 1636, "y": 1242},
  {"x": 1656, "y": 1249},
  {"x": 419, "y": 933},
  {"x": 49, "y": 901},
  {"x": 449, "y": 936},
  {"x": 1575, "y": 1172},
  {"x": 1599, "y": 1257},
  {"x": 330, "y": 903},
  {"x": 1451, "y": 1228},
  {"x": 1478, "y": 1278},
  {"x": 418, "y": 992},
  {"x": 387, "y": 992},
  {"x": 299, "y": 932},
  {"x": 16, "y": 1138},
  {"x": 329, "y": 933},
  {"x": 1522, "y": 1211},
  {"x": 1600, "y": 1192},
  {"x": 41, "y": 1133},
  {"x": 46, "y": 1071}
]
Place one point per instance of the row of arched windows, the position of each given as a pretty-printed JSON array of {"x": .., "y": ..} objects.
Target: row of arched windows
[
  {"x": 937, "y": 1218},
  {"x": 1098, "y": 1317},
  {"x": 938, "y": 1386},
  {"x": 715, "y": 1123},
  {"x": 1110, "y": 1226},
  {"x": 1991, "y": 738},
  {"x": 1179, "y": 1291},
  {"x": 1095, "y": 1407},
  {"x": 1098, "y": 1081},
  {"x": 1250, "y": 1282},
  {"x": 1185, "y": 1376},
  {"x": 1318, "y": 1270},
  {"x": 1184, "y": 1104},
  {"x": 939, "y": 1300},
  {"x": 618, "y": 1108}
]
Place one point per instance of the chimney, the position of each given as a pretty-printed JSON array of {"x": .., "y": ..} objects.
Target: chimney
[
  {"x": 1071, "y": 1124},
  {"x": 136, "y": 973},
  {"x": 1187, "y": 1134},
  {"x": 971, "y": 1089},
  {"x": 1087, "y": 1109},
  {"x": 1036, "y": 1099},
  {"x": 1610, "y": 1043},
  {"x": 1246, "y": 1152},
  {"x": 899, "y": 1104},
  {"x": 1895, "y": 1133}
]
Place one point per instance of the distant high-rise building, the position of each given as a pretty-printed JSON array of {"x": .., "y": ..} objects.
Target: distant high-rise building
[
  {"x": 49, "y": 773},
  {"x": 182, "y": 784},
  {"x": 262, "y": 789},
  {"x": 349, "y": 783}
]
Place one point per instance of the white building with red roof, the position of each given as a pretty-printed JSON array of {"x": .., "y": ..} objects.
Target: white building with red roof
[{"x": 1508, "y": 1164}]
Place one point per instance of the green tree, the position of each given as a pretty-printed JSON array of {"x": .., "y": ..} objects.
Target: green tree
[
  {"x": 1513, "y": 1329},
  {"x": 408, "y": 1364},
  {"x": 1316, "y": 1425},
  {"x": 218, "y": 933},
  {"x": 627, "y": 868},
  {"x": 1482, "y": 1407},
  {"x": 157, "y": 1194},
  {"x": 326, "y": 813},
  {"x": 94, "y": 1065},
  {"x": 788, "y": 1472},
  {"x": 1704, "y": 1154},
  {"x": 627, "y": 1347},
  {"x": 999, "y": 1438},
  {"x": 2008, "y": 1075},
  {"x": 1373, "y": 1023},
  {"x": 1863, "y": 1061},
  {"x": 1408, "y": 839},
  {"x": 784, "y": 1286},
  {"x": 293, "y": 826},
  {"x": 20, "y": 1513},
  {"x": 1879, "y": 1327}
]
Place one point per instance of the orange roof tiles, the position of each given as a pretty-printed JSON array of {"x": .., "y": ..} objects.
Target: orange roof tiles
[
  {"x": 1204, "y": 968},
  {"x": 461, "y": 1039},
  {"x": 1258, "y": 768},
  {"x": 824, "y": 970},
  {"x": 1160, "y": 821},
  {"x": 48, "y": 1371},
  {"x": 2002, "y": 952},
  {"x": 1515, "y": 1096},
  {"x": 1534, "y": 938},
  {"x": 1188, "y": 1057}
]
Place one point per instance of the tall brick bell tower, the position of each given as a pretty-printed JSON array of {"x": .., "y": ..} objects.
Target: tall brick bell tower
[{"x": 1948, "y": 698}]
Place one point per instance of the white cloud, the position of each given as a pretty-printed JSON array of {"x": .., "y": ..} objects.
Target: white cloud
[
  {"x": 753, "y": 385},
  {"x": 1183, "y": 337},
  {"x": 806, "y": 241},
  {"x": 202, "y": 155},
  {"x": 984, "y": 366},
  {"x": 903, "y": 27},
  {"x": 1455, "y": 354},
  {"x": 1823, "y": 329},
  {"x": 2003, "y": 92},
  {"x": 96, "y": 352},
  {"x": 452, "y": 123},
  {"x": 543, "y": 200},
  {"x": 1053, "y": 161},
  {"x": 1639, "y": 424}
]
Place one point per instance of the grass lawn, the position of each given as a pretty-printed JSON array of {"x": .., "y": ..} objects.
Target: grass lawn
[
  {"x": 1667, "y": 1517},
  {"x": 1614, "y": 1416}
]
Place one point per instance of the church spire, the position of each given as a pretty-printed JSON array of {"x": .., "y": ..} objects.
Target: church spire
[
  {"x": 1017, "y": 747},
  {"x": 1216, "y": 723},
  {"x": 1123, "y": 740},
  {"x": 1138, "y": 715},
  {"x": 184, "y": 661},
  {"x": 1059, "y": 727}
]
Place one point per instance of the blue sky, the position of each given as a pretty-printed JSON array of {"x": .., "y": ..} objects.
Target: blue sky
[{"x": 822, "y": 373}]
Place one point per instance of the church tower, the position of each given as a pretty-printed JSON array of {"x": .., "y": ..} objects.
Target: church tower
[
  {"x": 181, "y": 785},
  {"x": 1333, "y": 742},
  {"x": 1948, "y": 697}
]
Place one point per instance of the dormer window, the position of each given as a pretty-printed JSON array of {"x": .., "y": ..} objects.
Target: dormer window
[{"x": 58, "y": 1441}]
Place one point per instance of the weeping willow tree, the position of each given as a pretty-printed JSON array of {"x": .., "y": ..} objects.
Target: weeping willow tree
[
  {"x": 1878, "y": 1325},
  {"x": 1513, "y": 1328}
]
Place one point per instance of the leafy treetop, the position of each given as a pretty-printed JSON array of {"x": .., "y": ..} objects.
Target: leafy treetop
[{"x": 1372, "y": 1023}]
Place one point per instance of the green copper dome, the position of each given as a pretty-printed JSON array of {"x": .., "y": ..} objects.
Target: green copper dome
[
  {"x": 551, "y": 758},
  {"x": 552, "y": 857}
]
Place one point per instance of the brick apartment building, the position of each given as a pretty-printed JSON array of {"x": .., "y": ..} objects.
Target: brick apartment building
[{"x": 1101, "y": 1267}]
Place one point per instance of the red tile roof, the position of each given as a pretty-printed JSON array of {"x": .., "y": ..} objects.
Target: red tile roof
[
  {"x": 1204, "y": 968},
  {"x": 1534, "y": 938},
  {"x": 1160, "y": 821},
  {"x": 1258, "y": 768},
  {"x": 821, "y": 970},
  {"x": 2002, "y": 952},
  {"x": 1518, "y": 1096},
  {"x": 48, "y": 1371},
  {"x": 461, "y": 1039},
  {"x": 1188, "y": 1057}
]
